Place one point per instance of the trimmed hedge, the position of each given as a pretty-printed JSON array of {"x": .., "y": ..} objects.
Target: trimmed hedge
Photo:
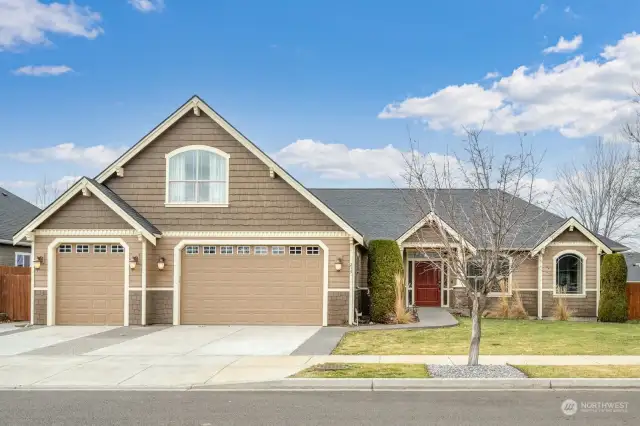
[
  {"x": 613, "y": 289},
  {"x": 385, "y": 261}
]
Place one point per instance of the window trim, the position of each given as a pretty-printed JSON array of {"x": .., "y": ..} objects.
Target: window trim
[
  {"x": 295, "y": 247},
  {"x": 22, "y": 253},
  {"x": 118, "y": 249},
  {"x": 188, "y": 148},
  {"x": 583, "y": 258},
  {"x": 106, "y": 249},
  {"x": 83, "y": 252},
  {"x": 65, "y": 245},
  {"x": 191, "y": 246}
]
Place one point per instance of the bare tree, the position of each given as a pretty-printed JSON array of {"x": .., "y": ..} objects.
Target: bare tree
[
  {"x": 48, "y": 191},
  {"x": 484, "y": 234},
  {"x": 602, "y": 190}
]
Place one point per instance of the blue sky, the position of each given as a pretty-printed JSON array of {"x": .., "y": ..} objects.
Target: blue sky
[{"x": 324, "y": 86}]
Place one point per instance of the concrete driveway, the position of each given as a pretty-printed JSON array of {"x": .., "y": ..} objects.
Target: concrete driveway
[
  {"x": 214, "y": 340},
  {"x": 30, "y": 339}
]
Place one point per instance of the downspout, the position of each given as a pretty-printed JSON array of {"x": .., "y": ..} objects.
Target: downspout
[{"x": 352, "y": 271}]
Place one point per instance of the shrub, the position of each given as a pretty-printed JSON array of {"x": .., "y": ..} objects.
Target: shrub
[
  {"x": 385, "y": 261},
  {"x": 561, "y": 312},
  {"x": 517, "y": 310},
  {"x": 613, "y": 289}
]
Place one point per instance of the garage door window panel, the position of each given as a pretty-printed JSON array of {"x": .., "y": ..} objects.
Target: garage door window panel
[
  {"x": 277, "y": 250},
  {"x": 64, "y": 248},
  {"x": 209, "y": 250},
  {"x": 192, "y": 250},
  {"x": 117, "y": 248},
  {"x": 313, "y": 250},
  {"x": 82, "y": 248},
  {"x": 226, "y": 250},
  {"x": 99, "y": 248},
  {"x": 260, "y": 250},
  {"x": 244, "y": 250},
  {"x": 295, "y": 250}
]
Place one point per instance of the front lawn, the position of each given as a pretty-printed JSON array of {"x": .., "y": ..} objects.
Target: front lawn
[
  {"x": 581, "y": 371},
  {"x": 499, "y": 337},
  {"x": 364, "y": 371}
]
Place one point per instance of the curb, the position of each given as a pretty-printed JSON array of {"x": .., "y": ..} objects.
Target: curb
[{"x": 427, "y": 384}]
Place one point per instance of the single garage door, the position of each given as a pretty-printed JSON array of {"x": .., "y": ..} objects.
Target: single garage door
[
  {"x": 90, "y": 284},
  {"x": 252, "y": 285}
]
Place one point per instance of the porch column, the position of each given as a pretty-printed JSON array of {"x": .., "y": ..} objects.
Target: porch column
[{"x": 540, "y": 262}]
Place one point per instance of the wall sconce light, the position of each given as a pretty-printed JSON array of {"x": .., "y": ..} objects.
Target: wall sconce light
[
  {"x": 133, "y": 262},
  {"x": 37, "y": 263},
  {"x": 338, "y": 264},
  {"x": 161, "y": 263}
]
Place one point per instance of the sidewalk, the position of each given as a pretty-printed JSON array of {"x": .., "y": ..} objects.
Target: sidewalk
[{"x": 178, "y": 372}]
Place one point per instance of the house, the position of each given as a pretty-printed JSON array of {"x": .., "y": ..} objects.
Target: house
[
  {"x": 14, "y": 214},
  {"x": 196, "y": 225},
  {"x": 633, "y": 283}
]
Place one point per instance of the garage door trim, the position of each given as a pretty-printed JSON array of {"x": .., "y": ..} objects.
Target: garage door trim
[
  {"x": 177, "y": 271},
  {"x": 51, "y": 273}
]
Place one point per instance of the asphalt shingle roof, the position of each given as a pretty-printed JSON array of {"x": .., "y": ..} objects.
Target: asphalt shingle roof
[
  {"x": 387, "y": 213},
  {"x": 14, "y": 214},
  {"x": 148, "y": 226}
]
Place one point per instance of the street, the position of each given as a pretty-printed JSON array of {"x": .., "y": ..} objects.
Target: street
[{"x": 35, "y": 408}]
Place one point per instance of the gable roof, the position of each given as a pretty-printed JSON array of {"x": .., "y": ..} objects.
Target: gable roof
[
  {"x": 388, "y": 213},
  {"x": 108, "y": 197},
  {"x": 14, "y": 214},
  {"x": 198, "y": 106}
]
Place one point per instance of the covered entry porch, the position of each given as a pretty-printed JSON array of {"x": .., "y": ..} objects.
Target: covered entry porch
[{"x": 427, "y": 281}]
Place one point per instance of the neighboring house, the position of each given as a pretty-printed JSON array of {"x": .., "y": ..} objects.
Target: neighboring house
[
  {"x": 196, "y": 225},
  {"x": 633, "y": 283},
  {"x": 14, "y": 214}
]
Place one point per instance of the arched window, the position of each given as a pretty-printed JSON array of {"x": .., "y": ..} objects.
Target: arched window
[
  {"x": 569, "y": 274},
  {"x": 198, "y": 175}
]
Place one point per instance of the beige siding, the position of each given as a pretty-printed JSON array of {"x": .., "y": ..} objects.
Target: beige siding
[
  {"x": 85, "y": 213},
  {"x": 572, "y": 236},
  {"x": 426, "y": 234},
  {"x": 338, "y": 247},
  {"x": 256, "y": 201},
  {"x": 591, "y": 259},
  {"x": 526, "y": 276}
]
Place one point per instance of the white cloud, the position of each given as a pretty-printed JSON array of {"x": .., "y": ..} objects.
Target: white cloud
[
  {"x": 146, "y": 6},
  {"x": 42, "y": 70},
  {"x": 491, "y": 75},
  {"x": 98, "y": 155},
  {"x": 29, "y": 21},
  {"x": 339, "y": 162},
  {"x": 542, "y": 9},
  {"x": 577, "y": 98},
  {"x": 565, "y": 46}
]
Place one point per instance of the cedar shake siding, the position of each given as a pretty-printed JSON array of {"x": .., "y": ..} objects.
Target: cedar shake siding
[
  {"x": 85, "y": 213},
  {"x": 256, "y": 201},
  {"x": 572, "y": 236},
  {"x": 424, "y": 235}
]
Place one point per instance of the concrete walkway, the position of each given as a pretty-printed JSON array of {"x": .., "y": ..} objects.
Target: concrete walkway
[
  {"x": 327, "y": 338},
  {"x": 185, "y": 371}
]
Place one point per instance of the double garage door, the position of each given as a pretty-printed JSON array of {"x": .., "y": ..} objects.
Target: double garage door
[
  {"x": 90, "y": 284},
  {"x": 251, "y": 285},
  {"x": 219, "y": 285}
]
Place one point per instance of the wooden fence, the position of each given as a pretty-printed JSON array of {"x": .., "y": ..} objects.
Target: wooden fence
[
  {"x": 15, "y": 292},
  {"x": 633, "y": 296}
]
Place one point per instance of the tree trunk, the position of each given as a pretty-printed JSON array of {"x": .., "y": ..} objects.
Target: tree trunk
[{"x": 474, "y": 347}]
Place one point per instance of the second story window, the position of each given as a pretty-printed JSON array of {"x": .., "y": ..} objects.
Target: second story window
[{"x": 198, "y": 175}]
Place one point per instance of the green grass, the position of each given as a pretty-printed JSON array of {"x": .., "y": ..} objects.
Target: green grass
[
  {"x": 364, "y": 371},
  {"x": 499, "y": 337},
  {"x": 581, "y": 371}
]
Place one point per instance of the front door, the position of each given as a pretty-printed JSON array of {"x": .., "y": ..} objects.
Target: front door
[{"x": 427, "y": 283}]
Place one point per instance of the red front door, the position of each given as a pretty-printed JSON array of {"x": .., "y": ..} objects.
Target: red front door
[{"x": 427, "y": 283}]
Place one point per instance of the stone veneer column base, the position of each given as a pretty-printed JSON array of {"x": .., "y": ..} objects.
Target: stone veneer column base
[
  {"x": 338, "y": 309},
  {"x": 135, "y": 307},
  {"x": 40, "y": 307},
  {"x": 159, "y": 307}
]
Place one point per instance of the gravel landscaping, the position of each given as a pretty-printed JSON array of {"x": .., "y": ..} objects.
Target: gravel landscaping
[{"x": 475, "y": 372}]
